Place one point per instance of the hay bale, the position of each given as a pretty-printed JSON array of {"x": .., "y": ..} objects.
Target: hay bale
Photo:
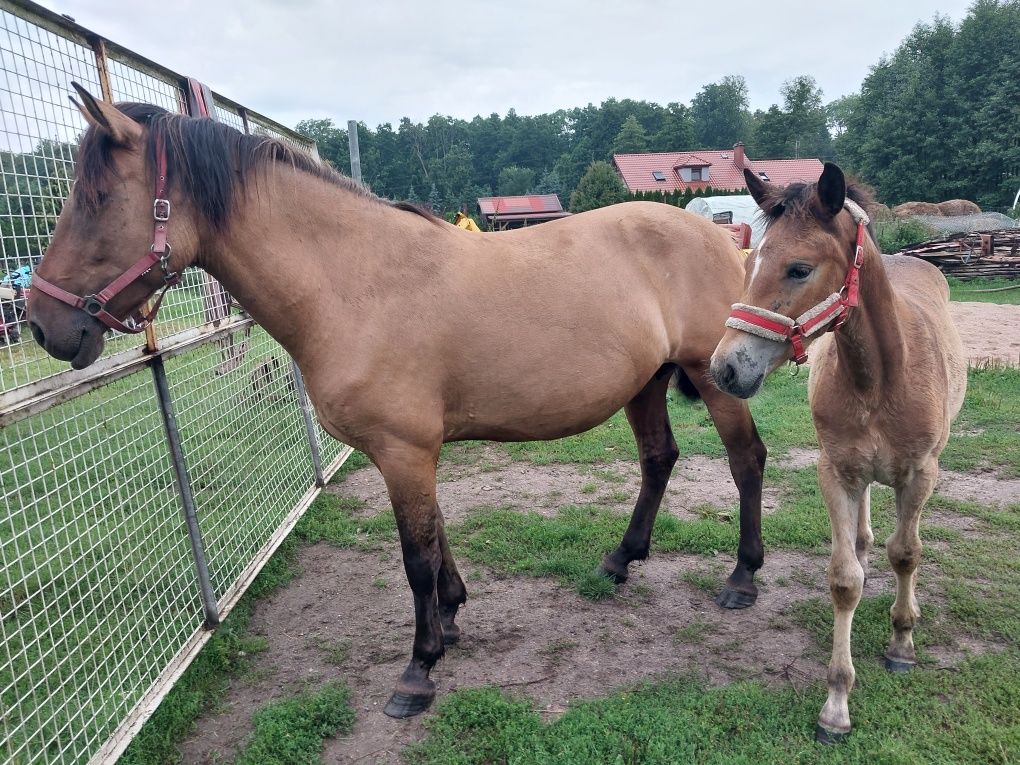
[
  {"x": 909, "y": 209},
  {"x": 952, "y": 207},
  {"x": 879, "y": 211}
]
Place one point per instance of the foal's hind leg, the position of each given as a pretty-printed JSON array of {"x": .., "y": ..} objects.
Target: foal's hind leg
[
  {"x": 904, "y": 550},
  {"x": 410, "y": 474},
  {"x": 658, "y": 453},
  {"x": 746, "y": 454},
  {"x": 865, "y": 537}
]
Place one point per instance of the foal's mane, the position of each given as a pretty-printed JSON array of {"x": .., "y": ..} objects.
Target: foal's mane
[
  {"x": 800, "y": 202},
  {"x": 205, "y": 161}
]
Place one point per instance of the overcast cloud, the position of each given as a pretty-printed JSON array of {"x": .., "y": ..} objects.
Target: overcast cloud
[{"x": 380, "y": 60}]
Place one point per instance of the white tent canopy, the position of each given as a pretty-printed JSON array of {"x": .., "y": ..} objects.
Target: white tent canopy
[{"x": 743, "y": 207}]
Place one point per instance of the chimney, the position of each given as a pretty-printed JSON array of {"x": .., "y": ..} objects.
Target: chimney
[{"x": 738, "y": 155}]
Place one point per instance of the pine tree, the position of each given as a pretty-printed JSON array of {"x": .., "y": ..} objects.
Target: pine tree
[
  {"x": 631, "y": 139},
  {"x": 600, "y": 186}
]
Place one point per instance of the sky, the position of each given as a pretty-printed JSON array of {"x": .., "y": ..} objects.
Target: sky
[{"x": 379, "y": 60}]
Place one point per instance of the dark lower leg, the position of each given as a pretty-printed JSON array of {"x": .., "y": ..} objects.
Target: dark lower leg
[
  {"x": 450, "y": 589},
  {"x": 658, "y": 453},
  {"x": 746, "y": 454},
  {"x": 411, "y": 480}
]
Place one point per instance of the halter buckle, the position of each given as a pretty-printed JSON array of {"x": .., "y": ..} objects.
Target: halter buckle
[
  {"x": 161, "y": 210},
  {"x": 91, "y": 305}
]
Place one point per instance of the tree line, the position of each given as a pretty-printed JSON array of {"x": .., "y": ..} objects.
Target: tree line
[{"x": 937, "y": 119}]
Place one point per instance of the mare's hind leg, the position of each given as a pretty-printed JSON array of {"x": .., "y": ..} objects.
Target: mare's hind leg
[
  {"x": 410, "y": 474},
  {"x": 658, "y": 453},
  {"x": 904, "y": 550},
  {"x": 746, "y": 454},
  {"x": 450, "y": 589}
]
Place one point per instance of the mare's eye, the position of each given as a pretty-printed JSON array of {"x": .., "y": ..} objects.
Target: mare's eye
[
  {"x": 798, "y": 272},
  {"x": 102, "y": 197}
]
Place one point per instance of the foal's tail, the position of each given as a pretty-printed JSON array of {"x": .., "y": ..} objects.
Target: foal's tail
[{"x": 685, "y": 386}]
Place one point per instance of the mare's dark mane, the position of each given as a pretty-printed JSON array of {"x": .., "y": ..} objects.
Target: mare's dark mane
[{"x": 205, "y": 161}]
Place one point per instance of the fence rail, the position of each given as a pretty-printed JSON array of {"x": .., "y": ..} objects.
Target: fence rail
[{"x": 139, "y": 497}]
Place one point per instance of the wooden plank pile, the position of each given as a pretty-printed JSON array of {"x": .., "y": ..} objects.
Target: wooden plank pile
[{"x": 992, "y": 254}]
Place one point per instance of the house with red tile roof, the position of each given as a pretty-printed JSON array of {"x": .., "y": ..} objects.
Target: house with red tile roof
[
  {"x": 514, "y": 212},
  {"x": 681, "y": 170}
]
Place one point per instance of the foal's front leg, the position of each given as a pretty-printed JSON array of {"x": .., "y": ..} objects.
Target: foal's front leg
[
  {"x": 846, "y": 583},
  {"x": 410, "y": 475}
]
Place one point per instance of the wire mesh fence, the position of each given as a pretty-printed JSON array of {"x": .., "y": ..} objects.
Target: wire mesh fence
[{"x": 100, "y": 603}]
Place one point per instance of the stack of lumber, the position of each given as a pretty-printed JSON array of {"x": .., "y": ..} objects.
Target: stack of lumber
[{"x": 968, "y": 256}]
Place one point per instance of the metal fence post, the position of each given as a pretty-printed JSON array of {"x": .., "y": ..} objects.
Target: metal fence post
[
  {"x": 306, "y": 413},
  {"x": 173, "y": 437}
]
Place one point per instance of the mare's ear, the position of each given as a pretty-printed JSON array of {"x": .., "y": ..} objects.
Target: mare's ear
[
  {"x": 105, "y": 116},
  {"x": 768, "y": 197},
  {"x": 832, "y": 189}
]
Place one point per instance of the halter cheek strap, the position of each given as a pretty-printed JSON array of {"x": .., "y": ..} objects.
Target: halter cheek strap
[
  {"x": 158, "y": 254},
  {"x": 831, "y": 311}
]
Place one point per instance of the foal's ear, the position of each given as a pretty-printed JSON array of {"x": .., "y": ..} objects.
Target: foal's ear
[
  {"x": 105, "y": 116},
  {"x": 832, "y": 189},
  {"x": 768, "y": 197},
  {"x": 758, "y": 188}
]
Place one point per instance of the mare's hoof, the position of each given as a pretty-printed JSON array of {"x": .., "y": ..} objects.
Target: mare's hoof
[
  {"x": 611, "y": 570},
  {"x": 830, "y": 737},
  {"x": 451, "y": 634},
  {"x": 402, "y": 705},
  {"x": 898, "y": 665},
  {"x": 730, "y": 598}
]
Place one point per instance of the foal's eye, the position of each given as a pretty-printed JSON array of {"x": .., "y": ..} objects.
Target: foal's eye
[
  {"x": 798, "y": 271},
  {"x": 101, "y": 197}
]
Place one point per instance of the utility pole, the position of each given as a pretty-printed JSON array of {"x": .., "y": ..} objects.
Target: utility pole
[{"x": 352, "y": 140}]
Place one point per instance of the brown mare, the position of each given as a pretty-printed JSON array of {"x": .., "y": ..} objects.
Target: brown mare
[
  {"x": 883, "y": 390},
  {"x": 410, "y": 331}
]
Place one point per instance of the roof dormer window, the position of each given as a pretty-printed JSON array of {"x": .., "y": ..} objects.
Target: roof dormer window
[{"x": 658, "y": 175}]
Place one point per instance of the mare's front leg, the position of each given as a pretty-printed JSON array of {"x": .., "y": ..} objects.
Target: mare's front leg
[
  {"x": 410, "y": 475},
  {"x": 746, "y": 454},
  {"x": 904, "y": 550},
  {"x": 846, "y": 584}
]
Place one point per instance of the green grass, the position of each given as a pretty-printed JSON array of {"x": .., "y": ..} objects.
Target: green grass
[
  {"x": 930, "y": 718},
  {"x": 291, "y": 732},
  {"x": 987, "y": 432},
  {"x": 968, "y": 290}
]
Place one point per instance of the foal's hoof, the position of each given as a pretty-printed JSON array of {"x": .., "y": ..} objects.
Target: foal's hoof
[
  {"x": 612, "y": 570},
  {"x": 402, "y": 705},
  {"x": 898, "y": 665},
  {"x": 830, "y": 737},
  {"x": 730, "y": 598}
]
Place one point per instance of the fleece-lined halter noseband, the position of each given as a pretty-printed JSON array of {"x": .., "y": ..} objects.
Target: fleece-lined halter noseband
[
  {"x": 835, "y": 308},
  {"x": 158, "y": 254}
]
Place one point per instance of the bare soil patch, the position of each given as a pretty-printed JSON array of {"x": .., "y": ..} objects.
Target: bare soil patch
[
  {"x": 990, "y": 332},
  {"x": 696, "y": 481},
  {"x": 530, "y": 636}
]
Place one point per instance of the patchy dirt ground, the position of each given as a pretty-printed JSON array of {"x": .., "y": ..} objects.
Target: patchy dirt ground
[
  {"x": 990, "y": 332},
  {"x": 348, "y": 615}
]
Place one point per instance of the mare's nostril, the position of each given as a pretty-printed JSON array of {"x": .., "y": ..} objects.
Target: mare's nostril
[{"x": 37, "y": 332}]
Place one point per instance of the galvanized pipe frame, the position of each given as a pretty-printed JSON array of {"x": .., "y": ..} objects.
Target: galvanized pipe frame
[{"x": 52, "y": 391}]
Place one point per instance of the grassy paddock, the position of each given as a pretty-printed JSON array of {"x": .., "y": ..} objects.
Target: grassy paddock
[{"x": 969, "y": 589}]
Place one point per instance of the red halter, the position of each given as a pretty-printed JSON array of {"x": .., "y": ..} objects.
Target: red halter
[
  {"x": 835, "y": 308},
  {"x": 159, "y": 253}
]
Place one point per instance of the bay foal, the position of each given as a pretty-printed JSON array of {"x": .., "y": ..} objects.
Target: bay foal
[{"x": 883, "y": 390}]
